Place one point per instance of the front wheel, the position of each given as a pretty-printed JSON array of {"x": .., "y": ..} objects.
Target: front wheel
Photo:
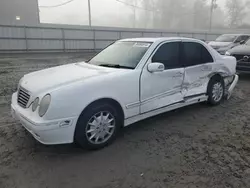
[
  {"x": 216, "y": 91},
  {"x": 97, "y": 126}
]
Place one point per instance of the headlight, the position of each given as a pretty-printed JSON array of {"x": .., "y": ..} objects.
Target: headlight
[
  {"x": 228, "y": 53},
  {"x": 35, "y": 104},
  {"x": 44, "y": 105}
]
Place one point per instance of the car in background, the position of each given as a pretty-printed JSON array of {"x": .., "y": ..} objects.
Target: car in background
[
  {"x": 130, "y": 80},
  {"x": 242, "y": 55},
  {"x": 228, "y": 41}
]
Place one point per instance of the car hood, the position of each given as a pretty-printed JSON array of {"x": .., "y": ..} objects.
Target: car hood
[
  {"x": 216, "y": 44},
  {"x": 242, "y": 50},
  {"x": 55, "y": 77}
]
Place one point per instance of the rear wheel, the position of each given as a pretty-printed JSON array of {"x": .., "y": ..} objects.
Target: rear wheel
[
  {"x": 98, "y": 126},
  {"x": 216, "y": 90}
]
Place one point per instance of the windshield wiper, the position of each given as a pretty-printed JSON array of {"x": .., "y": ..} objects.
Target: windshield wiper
[{"x": 116, "y": 66}]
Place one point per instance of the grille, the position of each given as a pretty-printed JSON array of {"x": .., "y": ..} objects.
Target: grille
[
  {"x": 23, "y": 97},
  {"x": 240, "y": 57}
]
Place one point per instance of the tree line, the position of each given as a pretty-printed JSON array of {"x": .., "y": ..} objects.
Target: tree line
[{"x": 189, "y": 14}]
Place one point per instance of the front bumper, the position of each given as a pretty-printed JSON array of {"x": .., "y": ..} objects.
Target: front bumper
[{"x": 46, "y": 132}]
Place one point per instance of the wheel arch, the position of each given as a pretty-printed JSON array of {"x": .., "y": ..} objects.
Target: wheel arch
[
  {"x": 80, "y": 139},
  {"x": 216, "y": 74},
  {"x": 213, "y": 76},
  {"x": 111, "y": 101}
]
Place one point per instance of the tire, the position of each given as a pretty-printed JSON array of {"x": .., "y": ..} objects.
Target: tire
[
  {"x": 216, "y": 91},
  {"x": 90, "y": 126}
]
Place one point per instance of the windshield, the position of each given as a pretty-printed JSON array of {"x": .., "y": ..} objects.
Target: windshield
[
  {"x": 121, "y": 55},
  {"x": 226, "y": 38}
]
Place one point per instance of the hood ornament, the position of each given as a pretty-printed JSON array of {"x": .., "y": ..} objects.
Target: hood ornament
[{"x": 246, "y": 58}]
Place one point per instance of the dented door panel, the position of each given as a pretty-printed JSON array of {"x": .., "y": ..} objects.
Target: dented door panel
[
  {"x": 196, "y": 79},
  {"x": 161, "y": 89},
  {"x": 200, "y": 65}
]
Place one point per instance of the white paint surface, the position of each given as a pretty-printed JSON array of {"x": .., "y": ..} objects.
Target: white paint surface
[{"x": 140, "y": 93}]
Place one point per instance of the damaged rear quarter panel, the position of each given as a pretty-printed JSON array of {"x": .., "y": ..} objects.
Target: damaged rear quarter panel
[{"x": 197, "y": 77}]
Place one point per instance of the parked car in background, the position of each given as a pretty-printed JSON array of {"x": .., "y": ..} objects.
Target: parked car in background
[
  {"x": 242, "y": 54},
  {"x": 226, "y": 42},
  {"x": 130, "y": 80}
]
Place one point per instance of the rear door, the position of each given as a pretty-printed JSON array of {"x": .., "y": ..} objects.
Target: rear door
[{"x": 198, "y": 64}]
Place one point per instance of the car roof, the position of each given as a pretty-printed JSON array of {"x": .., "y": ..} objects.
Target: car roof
[
  {"x": 157, "y": 39},
  {"x": 236, "y": 34}
]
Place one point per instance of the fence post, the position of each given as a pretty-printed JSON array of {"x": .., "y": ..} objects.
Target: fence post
[
  {"x": 120, "y": 35},
  {"x": 94, "y": 38},
  {"x": 206, "y": 36},
  {"x": 63, "y": 39},
  {"x": 25, "y": 37}
]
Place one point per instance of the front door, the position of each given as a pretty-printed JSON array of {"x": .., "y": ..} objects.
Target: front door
[
  {"x": 198, "y": 64},
  {"x": 164, "y": 88}
]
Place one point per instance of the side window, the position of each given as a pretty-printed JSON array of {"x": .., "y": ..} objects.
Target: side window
[
  {"x": 168, "y": 54},
  {"x": 240, "y": 38},
  {"x": 195, "y": 54},
  {"x": 206, "y": 56},
  {"x": 245, "y": 37}
]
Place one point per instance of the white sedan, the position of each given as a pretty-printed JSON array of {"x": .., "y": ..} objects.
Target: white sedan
[{"x": 130, "y": 80}]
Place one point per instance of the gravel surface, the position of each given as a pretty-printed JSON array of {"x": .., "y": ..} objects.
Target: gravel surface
[{"x": 196, "y": 146}]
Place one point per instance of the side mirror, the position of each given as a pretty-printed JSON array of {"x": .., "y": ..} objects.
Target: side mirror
[
  {"x": 242, "y": 42},
  {"x": 156, "y": 67}
]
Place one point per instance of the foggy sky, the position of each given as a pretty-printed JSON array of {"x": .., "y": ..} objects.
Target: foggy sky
[
  {"x": 76, "y": 12},
  {"x": 104, "y": 12}
]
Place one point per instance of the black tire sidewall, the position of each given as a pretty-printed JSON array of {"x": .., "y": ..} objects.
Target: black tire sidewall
[
  {"x": 211, "y": 84},
  {"x": 80, "y": 131}
]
